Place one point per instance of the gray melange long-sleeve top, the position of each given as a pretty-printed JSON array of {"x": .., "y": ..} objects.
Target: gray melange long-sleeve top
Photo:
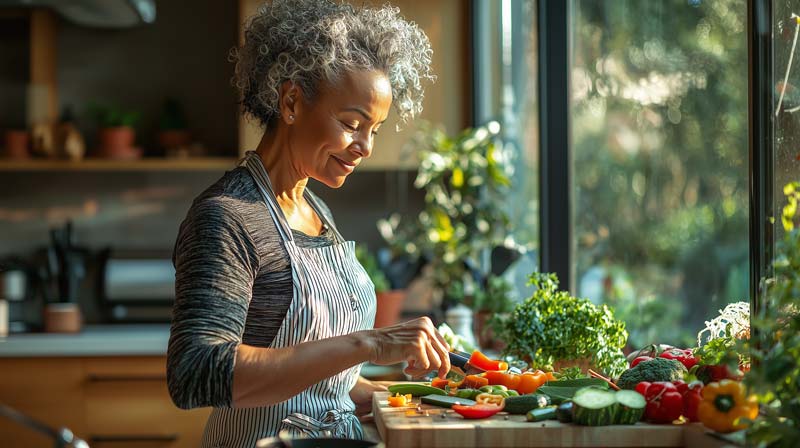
[{"x": 233, "y": 285}]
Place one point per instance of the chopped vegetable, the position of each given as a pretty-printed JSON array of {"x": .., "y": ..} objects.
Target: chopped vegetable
[
  {"x": 541, "y": 414},
  {"x": 398, "y": 400},
  {"x": 467, "y": 393},
  {"x": 474, "y": 381},
  {"x": 524, "y": 403},
  {"x": 725, "y": 406},
  {"x": 439, "y": 383},
  {"x": 414, "y": 389},
  {"x": 595, "y": 406},
  {"x": 483, "y": 362},
  {"x": 631, "y": 407},
  {"x": 446, "y": 401},
  {"x": 477, "y": 410},
  {"x": 484, "y": 398},
  {"x": 664, "y": 402},
  {"x": 658, "y": 369}
]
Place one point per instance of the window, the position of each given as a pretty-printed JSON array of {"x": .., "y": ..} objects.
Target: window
[{"x": 660, "y": 161}]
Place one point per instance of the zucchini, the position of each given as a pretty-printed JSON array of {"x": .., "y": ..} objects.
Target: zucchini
[
  {"x": 446, "y": 401},
  {"x": 524, "y": 403},
  {"x": 595, "y": 407},
  {"x": 579, "y": 382},
  {"x": 416, "y": 390},
  {"x": 631, "y": 407},
  {"x": 538, "y": 415},
  {"x": 564, "y": 412}
]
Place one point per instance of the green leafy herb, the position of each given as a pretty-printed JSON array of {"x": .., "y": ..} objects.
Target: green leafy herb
[
  {"x": 552, "y": 325},
  {"x": 570, "y": 373}
]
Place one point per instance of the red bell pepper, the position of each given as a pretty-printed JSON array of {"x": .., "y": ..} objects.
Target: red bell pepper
[
  {"x": 477, "y": 410},
  {"x": 664, "y": 402},
  {"x": 716, "y": 373},
  {"x": 684, "y": 356},
  {"x": 640, "y": 359},
  {"x": 692, "y": 397},
  {"x": 483, "y": 362}
]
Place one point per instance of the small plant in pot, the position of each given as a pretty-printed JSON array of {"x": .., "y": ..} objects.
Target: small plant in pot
[
  {"x": 173, "y": 136},
  {"x": 390, "y": 301},
  {"x": 116, "y": 134}
]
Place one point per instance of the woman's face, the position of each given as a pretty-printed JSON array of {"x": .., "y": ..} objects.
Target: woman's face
[{"x": 331, "y": 135}]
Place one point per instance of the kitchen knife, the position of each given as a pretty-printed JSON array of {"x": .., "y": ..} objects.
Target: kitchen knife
[{"x": 460, "y": 363}]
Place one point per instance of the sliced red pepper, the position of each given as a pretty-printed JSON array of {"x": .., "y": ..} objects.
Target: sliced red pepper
[
  {"x": 477, "y": 410},
  {"x": 640, "y": 359},
  {"x": 684, "y": 356},
  {"x": 483, "y": 362},
  {"x": 664, "y": 402}
]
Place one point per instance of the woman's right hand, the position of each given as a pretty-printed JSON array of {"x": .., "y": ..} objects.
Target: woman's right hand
[{"x": 416, "y": 341}]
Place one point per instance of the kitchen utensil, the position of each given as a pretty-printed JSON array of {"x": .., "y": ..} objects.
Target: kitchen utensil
[{"x": 460, "y": 363}]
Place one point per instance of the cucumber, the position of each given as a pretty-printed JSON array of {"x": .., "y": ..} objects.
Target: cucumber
[
  {"x": 557, "y": 395},
  {"x": 595, "y": 407},
  {"x": 524, "y": 403},
  {"x": 579, "y": 382},
  {"x": 631, "y": 407},
  {"x": 564, "y": 412},
  {"x": 446, "y": 401},
  {"x": 416, "y": 390},
  {"x": 538, "y": 415}
]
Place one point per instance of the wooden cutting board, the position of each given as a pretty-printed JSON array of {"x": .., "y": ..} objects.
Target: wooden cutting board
[{"x": 407, "y": 427}]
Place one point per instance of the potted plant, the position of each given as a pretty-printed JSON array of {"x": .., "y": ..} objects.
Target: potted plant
[
  {"x": 116, "y": 134},
  {"x": 463, "y": 224},
  {"x": 390, "y": 301},
  {"x": 553, "y": 329},
  {"x": 173, "y": 136}
]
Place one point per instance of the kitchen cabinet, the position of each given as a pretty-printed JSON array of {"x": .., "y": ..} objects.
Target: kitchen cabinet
[{"x": 108, "y": 401}]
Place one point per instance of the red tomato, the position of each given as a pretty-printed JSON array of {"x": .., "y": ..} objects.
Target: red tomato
[
  {"x": 476, "y": 410},
  {"x": 640, "y": 359}
]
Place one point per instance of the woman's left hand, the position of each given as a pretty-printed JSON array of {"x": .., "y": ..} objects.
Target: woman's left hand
[{"x": 361, "y": 394}]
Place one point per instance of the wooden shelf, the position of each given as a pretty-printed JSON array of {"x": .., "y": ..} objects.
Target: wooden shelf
[{"x": 148, "y": 164}]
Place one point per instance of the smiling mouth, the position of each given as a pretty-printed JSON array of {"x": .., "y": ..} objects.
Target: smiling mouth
[{"x": 348, "y": 166}]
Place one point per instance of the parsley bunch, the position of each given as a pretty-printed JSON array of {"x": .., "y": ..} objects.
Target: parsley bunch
[{"x": 552, "y": 325}]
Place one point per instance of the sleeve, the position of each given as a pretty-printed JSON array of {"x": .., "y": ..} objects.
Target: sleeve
[{"x": 216, "y": 263}]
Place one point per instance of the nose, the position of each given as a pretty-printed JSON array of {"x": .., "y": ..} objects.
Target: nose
[{"x": 363, "y": 146}]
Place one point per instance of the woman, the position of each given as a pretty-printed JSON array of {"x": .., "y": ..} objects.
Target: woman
[{"x": 273, "y": 314}]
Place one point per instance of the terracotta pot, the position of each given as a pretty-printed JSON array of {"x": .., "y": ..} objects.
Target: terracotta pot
[
  {"x": 390, "y": 304},
  {"x": 16, "y": 143},
  {"x": 62, "y": 318},
  {"x": 173, "y": 138},
  {"x": 117, "y": 143}
]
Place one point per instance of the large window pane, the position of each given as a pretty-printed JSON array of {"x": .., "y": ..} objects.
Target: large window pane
[{"x": 659, "y": 134}]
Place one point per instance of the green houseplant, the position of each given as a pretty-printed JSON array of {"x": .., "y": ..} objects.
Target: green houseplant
[
  {"x": 552, "y": 326},
  {"x": 465, "y": 179},
  {"x": 115, "y": 131}
]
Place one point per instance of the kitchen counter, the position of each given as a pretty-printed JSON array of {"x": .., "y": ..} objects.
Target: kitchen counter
[{"x": 94, "y": 340}]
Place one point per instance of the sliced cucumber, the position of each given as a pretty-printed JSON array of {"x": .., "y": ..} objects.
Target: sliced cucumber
[
  {"x": 416, "y": 390},
  {"x": 524, "y": 403},
  {"x": 446, "y": 401},
  {"x": 579, "y": 382},
  {"x": 595, "y": 407},
  {"x": 631, "y": 407}
]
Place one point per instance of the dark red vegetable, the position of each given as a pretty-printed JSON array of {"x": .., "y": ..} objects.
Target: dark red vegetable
[
  {"x": 476, "y": 410},
  {"x": 664, "y": 402},
  {"x": 684, "y": 356},
  {"x": 692, "y": 396},
  {"x": 640, "y": 359}
]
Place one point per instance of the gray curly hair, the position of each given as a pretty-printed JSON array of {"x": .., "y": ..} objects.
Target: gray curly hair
[{"x": 314, "y": 41}]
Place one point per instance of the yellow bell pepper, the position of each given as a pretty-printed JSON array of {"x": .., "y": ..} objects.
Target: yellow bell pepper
[
  {"x": 399, "y": 401},
  {"x": 724, "y": 406}
]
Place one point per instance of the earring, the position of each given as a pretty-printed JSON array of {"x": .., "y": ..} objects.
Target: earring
[{"x": 291, "y": 117}]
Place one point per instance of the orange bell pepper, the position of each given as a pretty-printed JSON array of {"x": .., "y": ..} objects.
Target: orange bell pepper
[
  {"x": 439, "y": 383},
  {"x": 399, "y": 401},
  {"x": 483, "y": 362},
  {"x": 474, "y": 382},
  {"x": 510, "y": 380},
  {"x": 530, "y": 381}
]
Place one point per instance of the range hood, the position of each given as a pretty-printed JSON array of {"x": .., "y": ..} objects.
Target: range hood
[{"x": 96, "y": 13}]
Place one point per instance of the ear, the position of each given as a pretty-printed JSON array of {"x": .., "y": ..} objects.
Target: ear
[{"x": 290, "y": 99}]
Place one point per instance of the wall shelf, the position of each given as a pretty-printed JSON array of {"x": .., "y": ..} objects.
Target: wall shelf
[{"x": 146, "y": 164}]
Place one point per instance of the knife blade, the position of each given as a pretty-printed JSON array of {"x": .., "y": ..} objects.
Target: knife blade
[{"x": 460, "y": 364}]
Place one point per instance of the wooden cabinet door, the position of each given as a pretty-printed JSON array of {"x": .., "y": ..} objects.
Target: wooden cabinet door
[
  {"x": 49, "y": 390},
  {"x": 127, "y": 405}
]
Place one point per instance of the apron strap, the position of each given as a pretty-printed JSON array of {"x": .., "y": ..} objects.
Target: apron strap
[
  {"x": 312, "y": 200},
  {"x": 253, "y": 164}
]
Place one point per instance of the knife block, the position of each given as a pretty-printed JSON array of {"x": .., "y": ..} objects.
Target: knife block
[{"x": 62, "y": 318}]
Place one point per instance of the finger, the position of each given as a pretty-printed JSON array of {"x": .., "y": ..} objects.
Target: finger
[
  {"x": 420, "y": 354},
  {"x": 438, "y": 336},
  {"x": 442, "y": 352},
  {"x": 434, "y": 358}
]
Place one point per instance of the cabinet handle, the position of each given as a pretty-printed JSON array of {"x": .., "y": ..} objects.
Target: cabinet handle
[
  {"x": 101, "y": 378},
  {"x": 133, "y": 438}
]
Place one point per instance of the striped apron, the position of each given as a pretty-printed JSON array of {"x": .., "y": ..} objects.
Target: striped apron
[{"x": 332, "y": 296}]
